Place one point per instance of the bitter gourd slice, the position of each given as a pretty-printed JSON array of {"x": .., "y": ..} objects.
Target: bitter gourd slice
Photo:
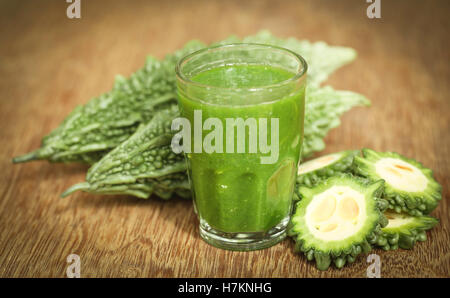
[
  {"x": 410, "y": 187},
  {"x": 313, "y": 171},
  {"x": 333, "y": 220},
  {"x": 404, "y": 230}
]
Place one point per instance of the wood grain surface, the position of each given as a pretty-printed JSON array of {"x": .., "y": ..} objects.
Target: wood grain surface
[{"x": 49, "y": 64}]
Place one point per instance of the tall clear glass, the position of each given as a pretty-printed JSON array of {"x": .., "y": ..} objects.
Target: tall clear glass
[{"x": 243, "y": 108}]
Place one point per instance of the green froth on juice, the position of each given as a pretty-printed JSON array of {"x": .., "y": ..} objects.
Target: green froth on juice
[{"x": 235, "y": 192}]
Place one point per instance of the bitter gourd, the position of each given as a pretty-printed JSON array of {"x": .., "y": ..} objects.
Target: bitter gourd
[
  {"x": 404, "y": 230},
  {"x": 322, "y": 59},
  {"x": 108, "y": 120},
  {"x": 142, "y": 165},
  {"x": 334, "y": 219},
  {"x": 410, "y": 187},
  {"x": 323, "y": 108},
  {"x": 313, "y": 171},
  {"x": 92, "y": 130},
  {"x": 321, "y": 105}
]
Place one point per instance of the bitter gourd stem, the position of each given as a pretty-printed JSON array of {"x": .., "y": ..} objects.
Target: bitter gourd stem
[
  {"x": 74, "y": 188},
  {"x": 26, "y": 157}
]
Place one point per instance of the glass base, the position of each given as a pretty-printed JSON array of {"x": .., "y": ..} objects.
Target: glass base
[{"x": 243, "y": 241}]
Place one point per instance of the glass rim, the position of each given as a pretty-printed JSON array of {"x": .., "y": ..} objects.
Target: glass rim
[{"x": 182, "y": 77}]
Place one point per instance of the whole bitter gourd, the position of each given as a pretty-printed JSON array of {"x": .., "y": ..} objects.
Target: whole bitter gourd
[
  {"x": 313, "y": 171},
  {"x": 322, "y": 59},
  {"x": 142, "y": 165},
  {"x": 404, "y": 230},
  {"x": 409, "y": 188},
  {"x": 334, "y": 219}
]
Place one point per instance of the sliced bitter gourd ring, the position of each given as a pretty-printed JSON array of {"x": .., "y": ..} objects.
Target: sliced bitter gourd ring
[
  {"x": 315, "y": 170},
  {"x": 404, "y": 230},
  {"x": 332, "y": 220},
  {"x": 409, "y": 186}
]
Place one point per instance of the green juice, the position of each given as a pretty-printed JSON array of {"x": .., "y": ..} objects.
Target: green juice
[{"x": 235, "y": 192}]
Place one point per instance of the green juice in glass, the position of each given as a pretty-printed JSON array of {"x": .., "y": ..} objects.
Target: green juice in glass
[{"x": 242, "y": 203}]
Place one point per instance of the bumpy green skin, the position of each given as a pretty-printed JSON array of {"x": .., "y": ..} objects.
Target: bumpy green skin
[
  {"x": 323, "y": 109},
  {"x": 106, "y": 121},
  {"x": 322, "y": 59},
  {"x": 344, "y": 251},
  {"x": 405, "y": 236},
  {"x": 413, "y": 203},
  {"x": 341, "y": 165},
  {"x": 142, "y": 165}
]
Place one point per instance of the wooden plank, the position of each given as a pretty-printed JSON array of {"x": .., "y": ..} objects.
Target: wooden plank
[{"x": 49, "y": 64}]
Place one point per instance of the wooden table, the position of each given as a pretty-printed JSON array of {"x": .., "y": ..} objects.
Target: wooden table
[{"x": 49, "y": 64}]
